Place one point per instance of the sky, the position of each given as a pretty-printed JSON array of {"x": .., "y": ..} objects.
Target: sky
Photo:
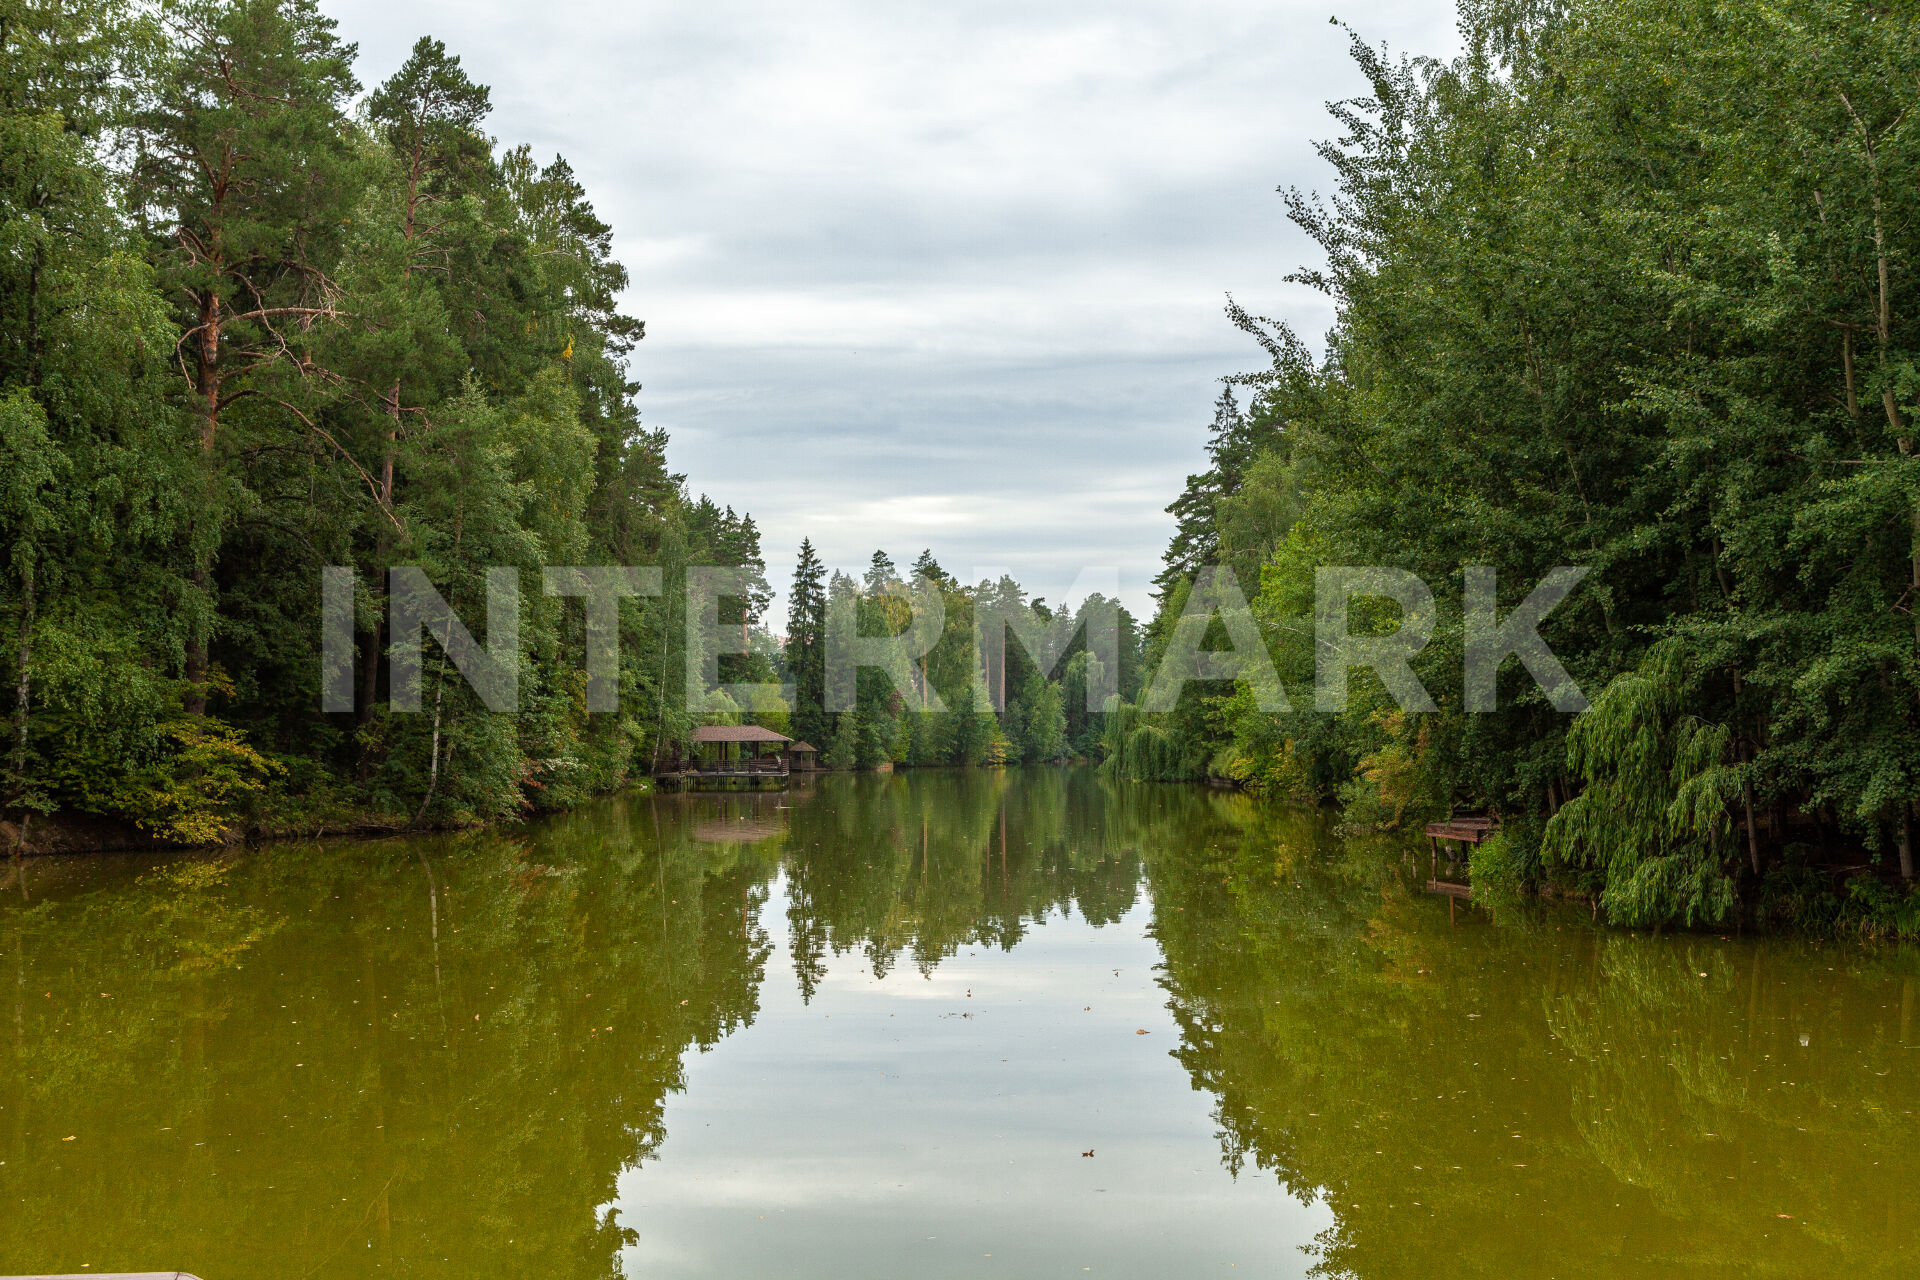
[{"x": 933, "y": 276}]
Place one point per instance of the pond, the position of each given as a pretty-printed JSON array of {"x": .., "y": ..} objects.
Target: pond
[{"x": 1019, "y": 1023}]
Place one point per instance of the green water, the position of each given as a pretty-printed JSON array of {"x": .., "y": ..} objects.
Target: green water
[{"x": 873, "y": 1026}]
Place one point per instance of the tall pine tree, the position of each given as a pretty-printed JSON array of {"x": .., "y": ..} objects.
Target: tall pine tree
[
  {"x": 806, "y": 645},
  {"x": 244, "y": 182}
]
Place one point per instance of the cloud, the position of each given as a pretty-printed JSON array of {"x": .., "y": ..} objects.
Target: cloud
[{"x": 946, "y": 275}]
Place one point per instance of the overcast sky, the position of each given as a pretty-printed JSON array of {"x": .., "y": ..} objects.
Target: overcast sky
[{"x": 918, "y": 275}]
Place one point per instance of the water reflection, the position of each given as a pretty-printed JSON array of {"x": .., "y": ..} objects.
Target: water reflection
[
  {"x": 1541, "y": 1098},
  {"x": 460, "y": 1055},
  {"x": 428, "y": 1057}
]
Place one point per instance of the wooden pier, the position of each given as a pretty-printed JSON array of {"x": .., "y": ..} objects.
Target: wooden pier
[
  {"x": 751, "y": 773},
  {"x": 1464, "y": 830},
  {"x": 1461, "y": 831}
]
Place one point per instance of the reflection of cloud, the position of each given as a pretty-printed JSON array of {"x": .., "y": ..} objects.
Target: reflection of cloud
[
  {"x": 655, "y": 1253},
  {"x": 876, "y": 1131},
  {"x": 824, "y": 1182},
  {"x": 881, "y": 233}
]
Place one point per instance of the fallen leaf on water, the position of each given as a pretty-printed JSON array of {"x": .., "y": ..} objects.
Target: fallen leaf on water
[
  {"x": 70, "y": 1137},
  {"x": 1087, "y": 1154},
  {"x": 1143, "y": 1031}
]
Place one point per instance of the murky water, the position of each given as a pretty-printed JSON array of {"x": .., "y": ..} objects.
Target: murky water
[{"x": 894, "y": 1027}]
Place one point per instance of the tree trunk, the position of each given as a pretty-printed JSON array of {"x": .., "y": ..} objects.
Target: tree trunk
[
  {"x": 196, "y": 697},
  {"x": 369, "y": 692},
  {"x": 23, "y": 688},
  {"x": 1753, "y": 830},
  {"x": 206, "y": 384},
  {"x": 33, "y": 314},
  {"x": 1846, "y": 362},
  {"x": 406, "y": 273},
  {"x": 1906, "y": 842},
  {"x": 369, "y": 671},
  {"x": 1913, "y": 561}
]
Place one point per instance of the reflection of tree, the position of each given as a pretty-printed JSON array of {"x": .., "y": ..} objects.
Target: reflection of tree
[
  {"x": 434, "y": 1057},
  {"x": 926, "y": 863},
  {"x": 1533, "y": 1100},
  {"x": 279, "y": 1058}
]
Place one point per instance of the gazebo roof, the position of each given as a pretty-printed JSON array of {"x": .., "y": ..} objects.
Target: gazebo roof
[
  {"x": 737, "y": 733},
  {"x": 807, "y": 747}
]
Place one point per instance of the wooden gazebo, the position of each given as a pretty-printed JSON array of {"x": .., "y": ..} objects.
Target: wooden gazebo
[
  {"x": 804, "y": 757},
  {"x": 738, "y": 751}
]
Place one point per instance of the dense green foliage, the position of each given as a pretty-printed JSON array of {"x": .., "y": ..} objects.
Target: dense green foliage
[
  {"x": 1627, "y": 285},
  {"x": 967, "y": 701},
  {"x": 248, "y": 330},
  {"x": 258, "y": 322}
]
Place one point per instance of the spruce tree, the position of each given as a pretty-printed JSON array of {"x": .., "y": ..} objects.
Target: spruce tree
[{"x": 806, "y": 645}]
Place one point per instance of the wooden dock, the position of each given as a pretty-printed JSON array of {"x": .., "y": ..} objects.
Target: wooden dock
[
  {"x": 1463, "y": 832},
  {"x": 733, "y": 775}
]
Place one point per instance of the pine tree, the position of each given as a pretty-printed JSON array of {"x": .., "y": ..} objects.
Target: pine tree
[
  {"x": 1234, "y": 441},
  {"x": 806, "y": 653},
  {"x": 244, "y": 180},
  {"x": 428, "y": 114},
  {"x": 928, "y": 568},
  {"x": 401, "y": 348},
  {"x": 880, "y": 573}
]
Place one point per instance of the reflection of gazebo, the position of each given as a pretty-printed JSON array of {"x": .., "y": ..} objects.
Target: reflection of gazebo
[
  {"x": 740, "y": 830},
  {"x": 738, "y": 750},
  {"x": 804, "y": 757}
]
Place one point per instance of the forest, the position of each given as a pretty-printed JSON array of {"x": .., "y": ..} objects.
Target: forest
[
  {"x": 1625, "y": 286},
  {"x": 257, "y": 321},
  {"x": 260, "y": 319},
  {"x": 1629, "y": 286}
]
